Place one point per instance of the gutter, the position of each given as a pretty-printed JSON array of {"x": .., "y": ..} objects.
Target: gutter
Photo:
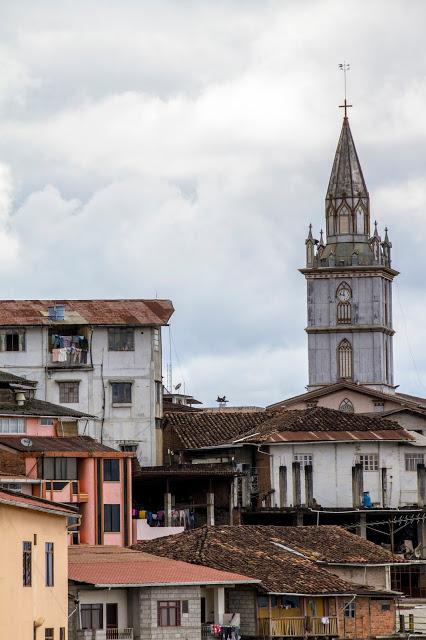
[
  {"x": 55, "y": 512},
  {"x": 172, "y": 584}
]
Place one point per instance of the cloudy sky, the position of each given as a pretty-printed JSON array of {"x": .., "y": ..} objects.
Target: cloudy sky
[{"x": 179, "y": 150}]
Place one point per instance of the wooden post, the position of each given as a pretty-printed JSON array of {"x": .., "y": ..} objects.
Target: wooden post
[
  {"x": 297, "y": 497},
  {"x": 270, "y": 616},
  {"x": 283, "y": 486}
]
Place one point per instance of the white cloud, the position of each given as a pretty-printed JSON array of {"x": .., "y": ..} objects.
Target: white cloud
[{"x": 181, "y": 149}]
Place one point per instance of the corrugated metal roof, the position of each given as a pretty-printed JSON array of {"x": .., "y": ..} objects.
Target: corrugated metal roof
[
  {"x": 49, "y": 444},
  {"x": 135, "y": 312},
  {"x": 332, "y": 436}
]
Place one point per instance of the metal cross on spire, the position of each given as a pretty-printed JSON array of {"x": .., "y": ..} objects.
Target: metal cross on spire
[{"x": 345, "y": 67}]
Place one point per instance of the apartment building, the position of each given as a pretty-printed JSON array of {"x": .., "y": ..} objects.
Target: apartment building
[
  {"x": 99, "y": 357},
  {"x": 33, "y": 557}
]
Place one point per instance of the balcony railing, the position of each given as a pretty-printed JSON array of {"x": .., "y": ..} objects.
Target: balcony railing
[
  {"x": 105, "y": 634},
  {"x": 298, "y": 627},
  {"x": 63, "y": 491},
  {"x": 67, "y": 357}
]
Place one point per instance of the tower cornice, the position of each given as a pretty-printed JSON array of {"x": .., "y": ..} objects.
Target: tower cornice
[{"x": 349, "y": 272}]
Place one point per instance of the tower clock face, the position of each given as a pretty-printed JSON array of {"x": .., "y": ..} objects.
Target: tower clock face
[{"x": 343, "y": 295}]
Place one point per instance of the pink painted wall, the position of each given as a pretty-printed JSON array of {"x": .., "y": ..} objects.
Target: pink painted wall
[
  {"x": 115, "y": 539},
  {"x": 31, "y": 467},
  {"x": 87, "y": 476},
  {"x": 34, "y": 428},
  {"x": 113, "y": 492}
]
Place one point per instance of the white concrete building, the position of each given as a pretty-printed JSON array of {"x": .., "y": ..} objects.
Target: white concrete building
[{"x": 101, "y": 357}]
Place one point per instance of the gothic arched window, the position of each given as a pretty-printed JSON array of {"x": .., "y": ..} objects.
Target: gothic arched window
[
  {"x": 346, "y": 406},
  {"x": 344, "y": 220},
  {"x": 360, "y": 220},
  {"x": 344, "y": 313},
  {"x": 344, "y": 353}
]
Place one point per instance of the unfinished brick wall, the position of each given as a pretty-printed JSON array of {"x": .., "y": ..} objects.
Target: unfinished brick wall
[
  {"x": 263, "y": 476},
  {"x": 372, "y": 618}
]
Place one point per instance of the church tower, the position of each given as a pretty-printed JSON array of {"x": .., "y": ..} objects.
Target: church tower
[{"x": 349, "y": 283}]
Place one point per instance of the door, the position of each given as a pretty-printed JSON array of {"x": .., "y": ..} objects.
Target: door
[{"x": 112, "y": 615}]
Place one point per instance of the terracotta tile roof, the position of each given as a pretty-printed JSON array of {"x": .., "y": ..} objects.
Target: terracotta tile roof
[
  {"x": 15, "y": 499},
  {"x": 253, "y": 549},
  {"x": 402, "y": 398},
  {"x": 49, "y": 444},
  {"x": 322, "y": 424},
  {"x": 33, "y": 407},
  {"x": 96, "y": 312},
  {"x": 115, "y": 566},
  {"x": 202, "y": 429}
]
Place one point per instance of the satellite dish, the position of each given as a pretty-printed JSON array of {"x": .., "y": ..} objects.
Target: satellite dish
[
  {"x": 178, "y": 386},
  {"x": 26, "y": 442}
]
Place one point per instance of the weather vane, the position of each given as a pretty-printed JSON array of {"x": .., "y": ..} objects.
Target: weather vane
[{"x": 345, "y": 67}]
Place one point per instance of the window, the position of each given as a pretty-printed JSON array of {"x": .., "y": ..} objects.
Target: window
[
  {"x": 344, "y": 220},
  {"x": 344, "y": 313},
  {"x": 412, "y": 460},
  {"x": 385, "y": 606},
  {"x": 12, "y": 425},
  {"x": 12, "y": 486},
  {"x": 112, "y": 470},
  {"x": 305, "y": 459},
  {"x": 47, "y": 422},
  {"x": 68, "y": 392},
  {"x": 121, "y": 392},
  {"x": 57, "y": 468},
  {"x": 350, "y": 610},
  {"x": 121, "y": 339},
  {"x": 345, "y": 359},
  {"x": 48, "y": 553},
  {"x": 168, "y": 613},
  {"x": 185, "y": 607},
  {"x": 92, "y": 616},
  {"x": 129, "y": 447},
  {"x": 369, "y": 461},
  {"x": 156, "y": 339},
  {"x": 346, "y": 406},
  {"x": 158, "y": 392},
  {"x": 12, "y": 340},
  {"x": 379, "y": 407},
  {"x": 49, "y": 634},
  {"x": 26, "y": 563},
  {"x": 112, "y": 518},
  {"x": 62, "y": 633}
]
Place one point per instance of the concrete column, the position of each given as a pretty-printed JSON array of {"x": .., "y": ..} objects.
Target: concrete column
[
  {"x": 309, "y": 485},
  {"x": 361, "y": 529},
  {"x": 421, "y": 485},
  {"x": 210, "y": 509},
  {"x": 297, "y": 493},
  {"x": 219, "y": 604},
  {"x": 167, "y": 509},
  {"x": 283, "y": 486}
]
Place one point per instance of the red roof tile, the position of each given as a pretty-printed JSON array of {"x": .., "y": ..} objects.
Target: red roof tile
[
  {"x": 96, "y": 312},
  {"x": 109, "y": 566},
  {"x": 15, "y": 499}
]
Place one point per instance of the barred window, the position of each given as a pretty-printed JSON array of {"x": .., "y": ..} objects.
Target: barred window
[
  {"x": 121, "y": 392},
  {"x": 68, "y": 392},
  {"x": 412, "y": 460},
  {"x": 369, "y": 461},
  {"x": 121, "y": 339},
  {"x": 49, "y": 564},
  {"x": 49, "y": 633},
  {"x": 305, "y": 459},
  {"x": 26, "y": 563},
  {"x": 345, "y": 359},
  {"x": 92, "y": 616}
]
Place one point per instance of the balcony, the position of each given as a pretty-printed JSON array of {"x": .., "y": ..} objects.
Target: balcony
[
  {"x": 67, "y": 358},
  {"x": 105, "y": 634},
  {"x": 298, "y": 627},
  {"x": 63, "y": 491}
]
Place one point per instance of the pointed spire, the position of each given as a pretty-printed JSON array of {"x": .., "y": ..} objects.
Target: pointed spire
[
  {"x": 376, "y": 233},
  {"x": 310, "y": 236},
  {"x": 321, "y": 241},
  {"x": 386, "y": 240},
  {"x": 346, "y": 180}
]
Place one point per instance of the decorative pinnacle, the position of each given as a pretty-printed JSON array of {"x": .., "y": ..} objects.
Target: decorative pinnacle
[
  {"x": 386, "y": 240},
  {"x": 310, "y": 236},
  {"x": 321, "y": 242},
  {"x": 376, "y": 233}
]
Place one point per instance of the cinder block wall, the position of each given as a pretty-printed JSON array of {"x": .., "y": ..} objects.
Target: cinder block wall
[
  {"x": 190, "y": 628},
  {"x": 243, "y": 601}
]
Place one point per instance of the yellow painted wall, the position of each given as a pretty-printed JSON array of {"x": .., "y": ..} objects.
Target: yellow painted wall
[{"x": 20, "y": 606}]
